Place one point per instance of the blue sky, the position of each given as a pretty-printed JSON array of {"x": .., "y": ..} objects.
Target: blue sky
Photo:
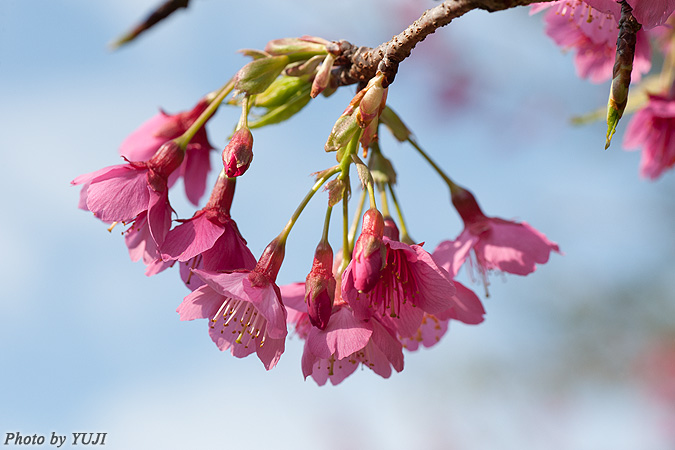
[{"x": 89, "y": 344}]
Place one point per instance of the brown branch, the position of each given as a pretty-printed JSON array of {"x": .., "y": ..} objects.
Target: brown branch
[
  {"x": 157, "y": 15},
  {"x": 359, "y": 64}
]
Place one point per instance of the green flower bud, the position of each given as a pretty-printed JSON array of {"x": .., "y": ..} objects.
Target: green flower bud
[{"x": 259, "y": 74}]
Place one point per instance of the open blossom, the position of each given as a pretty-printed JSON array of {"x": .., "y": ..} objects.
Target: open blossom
[
  {"x": 592, "y": 34},
  {"x": 410, "y": 284},
  {"x": 497, "y": 244},
  {"x": 244, "y": 308},
  {"x": 135, "y": 193},
  {"x": 210, "y": 240},
  {"x": 149, "y": 137},
  {"x": 653, "y": 129},
  {"x": 335, "y": 352},
  {"x": 245, "y": 313}
]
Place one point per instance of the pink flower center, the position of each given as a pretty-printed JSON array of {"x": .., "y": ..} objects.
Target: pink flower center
[
  {"x": 397, "y": 286},
  {"x": 242, "y": 319}
]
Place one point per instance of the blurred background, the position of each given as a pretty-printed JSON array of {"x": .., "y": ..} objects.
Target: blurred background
[{"x": 578, "y": 355}]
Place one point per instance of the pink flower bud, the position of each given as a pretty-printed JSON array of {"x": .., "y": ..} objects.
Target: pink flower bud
[
  {"x": 238, "y": 153},
  {"x": 390, "y": 229},
  {"x": 370, "y": 253},
  {"x": 320, "y": 287}
]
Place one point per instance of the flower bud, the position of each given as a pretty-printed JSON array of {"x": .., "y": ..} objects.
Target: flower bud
[
  {"x": 320, "y": 286},
  {"x": 238, "y": 153},
  {"x": 259, "y": 74},
  {"x": 322, "y": 76},
  {"x": 371, "y": 103},
  {"x": 370, "y": 253},
  {"x": 300, "y": 48},
  {"x": 390, "y": 229}
]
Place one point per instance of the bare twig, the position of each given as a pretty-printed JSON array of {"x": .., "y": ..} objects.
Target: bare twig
[
  {"x": 359, "y": 64},
  {"x": 160, "y": 13}
]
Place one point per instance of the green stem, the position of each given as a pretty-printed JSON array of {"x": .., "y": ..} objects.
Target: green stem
[
  {"x": 371, "y": 195},
  {"x": 287, "y": 229},
  {"x": 355, "y": 223},
  {"x": 326, "y": 223},
  {"x": 453, "y": 187},
  {"x": 245, "y": 108},
  {"x": 186, "y": 137},
  {"x": 346, "y": 245},
  {"x": 383, "y": 202},
  {"x": 404, "y": 236}
]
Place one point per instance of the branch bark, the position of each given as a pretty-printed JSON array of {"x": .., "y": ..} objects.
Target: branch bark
[{"x": 359, "y": 64}]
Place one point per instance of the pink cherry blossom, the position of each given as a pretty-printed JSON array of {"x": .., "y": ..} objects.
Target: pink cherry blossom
[
  {"x": 409, "y": 285},
  {"x": 245, "y": 311},
  {"x": 335, "y": 352},
  {"x": 496, "y": 244},
  {"x": 135, "y": 193},
  {"x": 653, "y": 129},
  {"x": 592, "y": 34},
  {"x": 649, "y": 13},
  {"x": 210, "y": 240},
  {"x": 144, "y": 142}
]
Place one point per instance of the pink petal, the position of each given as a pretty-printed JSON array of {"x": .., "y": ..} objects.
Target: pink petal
[
  {"x": 468, "y": 308},
  {"x": 450, "y": 255},
  {"x": 159, "y": 215},
  {"x": 191, "y": 238},
  {"x": 270, "y": 353},
  {"x": 390, "y": 347},
  {"x": 119, "y": 195},
  {"x": 513, "y": 247},
  {"x": 197, "y": 166},
  {"x": 429, "y": 333},
  {"x": 203, "y": 303},
  {"x": 142, "y": 144},
  {"x": 343, "y": 336}
]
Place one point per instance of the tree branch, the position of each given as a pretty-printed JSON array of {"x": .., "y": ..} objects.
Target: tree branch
[{"x": 359, "y": 64}]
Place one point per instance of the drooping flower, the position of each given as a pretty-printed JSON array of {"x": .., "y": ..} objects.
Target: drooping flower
[
  {"x": 497, "y": 244},
  {"x": 135, "y": 193},
  {"x": 409, "y": 285},
  {"x": 335, "y": 353},
  {"x": 573, "y": 24},
  {"x": 653, "y": 129},
  {"x": 210, "y": 240},
  {"x": 141, "y": 144},
  {"x": 244, "y": 308}
]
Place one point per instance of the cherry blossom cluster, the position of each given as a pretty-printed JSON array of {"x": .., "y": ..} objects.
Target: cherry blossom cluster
[
  {"x": 381, "y": 292},
  {"x": 590, "y": 28}
]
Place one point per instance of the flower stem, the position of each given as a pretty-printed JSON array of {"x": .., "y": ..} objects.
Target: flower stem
[
  {"x": 326, "y": 175},
  {"x": 326, "y": 223},
  {"x": 453, "y": 187},
  {"x": 186, "y": 137},
  {"x": 346, "y": 243},
  {"x": 357, "y": 219},
  {"x": 404, "y": 230}
]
